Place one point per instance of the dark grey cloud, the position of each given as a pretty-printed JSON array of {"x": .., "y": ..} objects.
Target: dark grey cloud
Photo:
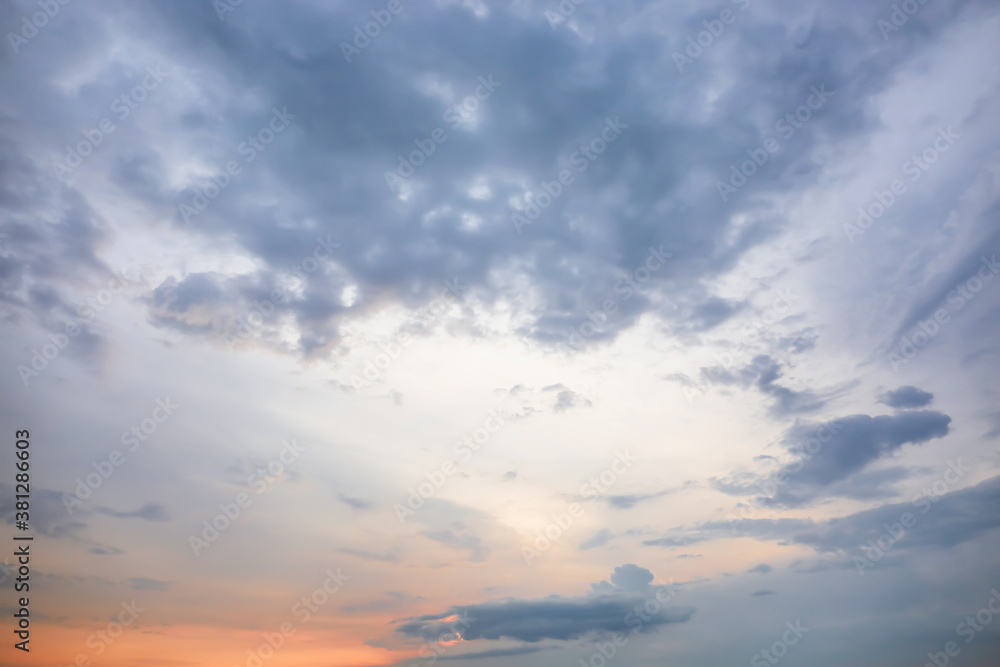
[
  {"x": 632, "y": 578},
  {"x": 148, "y": 512},
  {"x": 830, "y": 458},
  {"x": 327, "y": 169},
  {"x": 763, "y": 593},
  {"x": 50, "y": 242},
  {"x": 607, "y": 609},
  {"x": 763, "y": 372},
  {"x": 709, "y": 313},
  {"x": 323, "y": 181},
  {"x": 673, "y": 542},
  {"x": 906, "y": 397},
  {"x": 763, "y": 568},
  {"x": 939, "y": 521},
  {"x": 626, "y": 501}
]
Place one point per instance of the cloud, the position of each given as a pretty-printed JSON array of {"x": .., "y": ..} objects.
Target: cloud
[
  {"x": 798, "y": 344},
  {"x": 673, "y": 542},
  {"x": 398, "y": 247},
  {"x": 48, "y": 513},
  {"x": 762, "y": 593},
  {"x": 355, "y": 503},
  {"x": 496, "y": 653},
  {"x": 763, "y": 568},
  {"x": 105, "y": 551},
  {"x": 830, "y": 468},
  {"x": 566, "y": 398},
  {"x": 608, "y": 608},
  {"x": 521, "y": 401},
  {"x": 370, "y": 555},
  {"x": 906, "y": 397},
  {"x": 147, "y": 584},
  {"x": 631, "y": 578},
  {"x": 623, "y": 502},
  {"x": 148, "y": 512},
  {"x": 460, "y": 537},
  {"x": 599, "y": 539},
  {"x": 941, "y": 521},
  {"x": 763, "y": 372},
  {"x": 709, "y": 313}
]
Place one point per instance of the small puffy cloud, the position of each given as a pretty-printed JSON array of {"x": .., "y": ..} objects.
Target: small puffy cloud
[{"x": 906, "y": 397}]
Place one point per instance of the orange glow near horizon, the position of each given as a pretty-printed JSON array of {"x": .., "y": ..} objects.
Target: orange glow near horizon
[{"x": 198, "y": 645}]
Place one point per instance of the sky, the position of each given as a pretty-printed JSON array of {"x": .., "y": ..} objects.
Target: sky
[{"x": 481, "y": 333}]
